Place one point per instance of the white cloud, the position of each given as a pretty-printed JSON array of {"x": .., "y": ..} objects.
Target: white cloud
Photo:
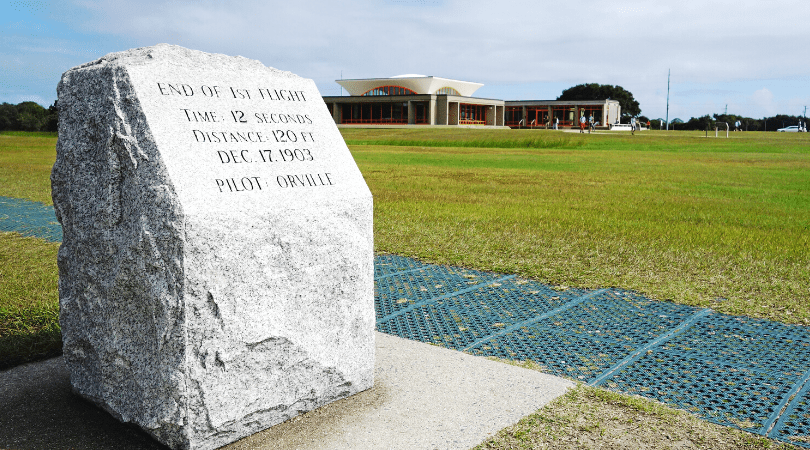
[
  {"x": 707, "y": 44},
  {"x": 763, "y": 99},
  {"x": 508, "y": 41}
]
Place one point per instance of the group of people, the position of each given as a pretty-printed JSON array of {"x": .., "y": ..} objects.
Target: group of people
[
  {"x": 583, "y": 122},
  {"x": 589, "y": 123},
  {"x": 635, "y": 125}
]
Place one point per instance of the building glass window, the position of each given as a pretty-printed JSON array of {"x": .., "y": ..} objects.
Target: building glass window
[
  {"x": 566, "y": 115},
  {"x": 375, "y": 113},
  {"x": 389, "y": 90},
  {"x": 471, "y": 114},
  {"x": 538, "y": 116},
  {"x": 593, "y": 110},
  {"x": 513, "y": 115},
  {"x": 421, "y": 112},
  {"x": 447, "y": 91}
]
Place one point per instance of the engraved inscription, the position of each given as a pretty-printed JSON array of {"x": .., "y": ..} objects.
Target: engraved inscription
[{"x": 271, "y": 125}]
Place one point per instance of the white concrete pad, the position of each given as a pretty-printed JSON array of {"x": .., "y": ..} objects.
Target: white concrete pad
[{"x": 424, "y": 397}]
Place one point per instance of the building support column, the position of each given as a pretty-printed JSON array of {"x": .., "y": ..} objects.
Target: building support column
[
  {"x": 452, "y": 113},
  {"x": 432, "y": 110},
  {"x": 411, "y": 113},
  {"x": 441, "y": 109},
  {"x": 605, "y": 111},
  {"x": 524, "y": 111},
  {"x": 336, "y": 112}
]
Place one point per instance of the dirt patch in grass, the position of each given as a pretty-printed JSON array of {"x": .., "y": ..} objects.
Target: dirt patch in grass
[{"x": 594, "y": 418}]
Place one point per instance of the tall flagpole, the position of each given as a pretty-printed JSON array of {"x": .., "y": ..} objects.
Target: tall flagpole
[{"x": 668, "y": 73}]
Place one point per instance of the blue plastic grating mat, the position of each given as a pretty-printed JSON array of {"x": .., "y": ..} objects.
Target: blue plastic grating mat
[
  {"x": 589, "y": 338},
  {"x": 794, "y": 425},
  {"x": 736, "y": 371},
  {"x": 474, "y": 310},
  {"x": 29, "y": 219},
  {"x": 731, "y": 370},
  {"x": 386, "y": 265}
]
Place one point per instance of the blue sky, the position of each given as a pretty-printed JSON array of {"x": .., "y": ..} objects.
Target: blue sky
[{"x": 750, "y": 55}]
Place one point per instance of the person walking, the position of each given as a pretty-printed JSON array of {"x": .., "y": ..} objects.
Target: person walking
[
  {"x": 582, "y": 122},
  {"x": 648, "y": 126},
  {"x": 590, "y": 123},
  {"x": 556, "y": 122},
  {"x": 633, "y": 126}
]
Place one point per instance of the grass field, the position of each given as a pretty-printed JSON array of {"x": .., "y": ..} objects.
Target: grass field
[
  {"x": 722, "y": 223},
  {"x": 29, "y": 309},
  {"x": 25, "y": 165}
]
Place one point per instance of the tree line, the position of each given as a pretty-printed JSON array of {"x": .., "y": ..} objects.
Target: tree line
[
  {"x": 31, "y": 116},
  {"x": 596, "y": 91},
  {"x": 28, "y": 116},
  {"x": 630, "y": 108},
  {"x": 708, "y": 122}
]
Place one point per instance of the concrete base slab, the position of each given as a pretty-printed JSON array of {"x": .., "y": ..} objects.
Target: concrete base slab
[{"x": 424, "y": 397}]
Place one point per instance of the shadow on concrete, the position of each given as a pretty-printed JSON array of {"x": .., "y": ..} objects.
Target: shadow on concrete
[{"x": 39, "y": 411}]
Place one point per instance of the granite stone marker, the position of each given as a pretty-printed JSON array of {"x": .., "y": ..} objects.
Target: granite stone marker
[{"x": 216, "y": 271}]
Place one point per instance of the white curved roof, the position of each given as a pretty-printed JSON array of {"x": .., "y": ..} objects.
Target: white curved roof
[{"x": 418, "y": 83}]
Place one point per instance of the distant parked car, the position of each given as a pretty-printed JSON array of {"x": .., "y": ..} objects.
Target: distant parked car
[{"x": 792, "y": 128}]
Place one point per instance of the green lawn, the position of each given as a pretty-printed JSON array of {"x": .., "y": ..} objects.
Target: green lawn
[
  {"x": 723, "y": 223},
  {"x": 29, "y": 308},
  {"x": 713, "y": 222},
  {"x": 25, "y": 165},
  {"x": 720, "y": 223}
]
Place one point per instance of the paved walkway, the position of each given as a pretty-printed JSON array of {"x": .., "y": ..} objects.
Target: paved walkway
[
  {"x": 732, "y": 370},
  {"x": 424, "y": 397}
]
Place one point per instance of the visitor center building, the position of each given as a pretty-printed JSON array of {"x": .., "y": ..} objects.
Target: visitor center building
[{"x": 426, "y": 100}]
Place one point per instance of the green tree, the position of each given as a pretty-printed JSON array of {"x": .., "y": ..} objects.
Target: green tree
[
  {"x": 52, "y": 118},
  {"x": 31, "y": 116},
  {"x": 700, "y": 123},
  {"x": 594, "y": 91},
  {"x": 8, "y": 116}
]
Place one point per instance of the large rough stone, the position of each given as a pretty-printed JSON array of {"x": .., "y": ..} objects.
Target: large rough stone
[{"x": 211, "y": 284}]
